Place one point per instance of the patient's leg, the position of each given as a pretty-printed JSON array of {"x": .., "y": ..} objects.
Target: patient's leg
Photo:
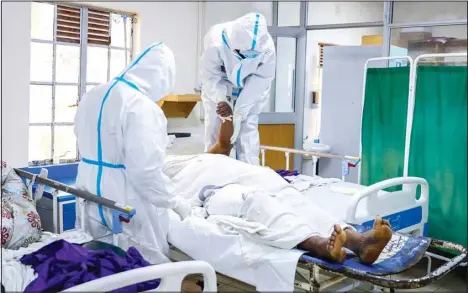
[
  {"x": 328, "y": 248},
  {"x": 223, "y": 146},
  {"x": 288, "y": 230},
  {"x": 369, "y": 245}
]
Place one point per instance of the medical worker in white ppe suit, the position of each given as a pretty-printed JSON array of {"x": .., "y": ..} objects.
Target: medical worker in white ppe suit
[
  {"x": 122, "y": 137},
  {"x": 238, "y": 66}
]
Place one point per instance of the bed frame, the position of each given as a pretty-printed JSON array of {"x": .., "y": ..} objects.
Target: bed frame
[
  {"x": 409, "y": 216},
  {"x": 171, "y": 275},
  {"x": 312, "y": 278}
]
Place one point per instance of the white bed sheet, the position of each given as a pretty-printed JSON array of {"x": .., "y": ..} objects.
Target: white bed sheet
[
  {"x": 203, "y": 240},
  {"x": 16, "y": 276},
  {"x": 327, "y": 198}
]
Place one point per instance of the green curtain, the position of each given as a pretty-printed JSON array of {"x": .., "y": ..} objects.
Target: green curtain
[
  {"x": 384, "y": 124},
  {"x": 438, "y": 148}
]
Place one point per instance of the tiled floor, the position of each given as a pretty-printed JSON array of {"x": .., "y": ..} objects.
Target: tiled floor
[{"x": 449, "y": 283}]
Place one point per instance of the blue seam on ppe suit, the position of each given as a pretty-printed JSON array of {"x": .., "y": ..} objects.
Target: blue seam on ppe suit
[
  {"x": 254, "y": 41},
  {"x": 238, "y": 76},
  {"x": 100, "y": 162},
  {"x": 223, "y": 36},
  {"x": 254, "y": 44},
  {"x": 104, "y": 164},
  {"x": 129, "y": 83}
]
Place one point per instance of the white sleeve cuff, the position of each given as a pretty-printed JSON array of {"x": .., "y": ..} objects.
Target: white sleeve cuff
[{"x": 182, "y": 208}]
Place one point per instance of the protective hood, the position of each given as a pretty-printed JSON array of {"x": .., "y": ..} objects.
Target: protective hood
[
  {"x": 249, "y": 32},
  {"x": 152, "y": 72}
]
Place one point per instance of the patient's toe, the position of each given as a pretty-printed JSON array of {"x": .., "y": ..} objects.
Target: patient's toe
[{"x": 374, "y": 241}]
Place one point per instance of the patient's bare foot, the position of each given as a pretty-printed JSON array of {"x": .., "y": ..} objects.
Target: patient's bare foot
[
  {"x": 331, "y": 248},
  {"x": 369, "y": 245}
]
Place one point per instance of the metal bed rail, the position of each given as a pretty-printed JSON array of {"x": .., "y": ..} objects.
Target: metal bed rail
[
  {"x": 170, "y": 274},
  {"x": 78, "y": 192},
  {"x": 346, "y": 159},
  {"x": 120, "y": 213}
]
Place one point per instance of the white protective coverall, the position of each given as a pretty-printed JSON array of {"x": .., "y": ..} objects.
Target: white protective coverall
[
  {"x": 122, "y": 137},
  {"x": 245, "y": 77}
]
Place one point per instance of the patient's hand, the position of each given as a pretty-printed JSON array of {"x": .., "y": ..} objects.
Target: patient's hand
[{"x": 223, "y": 109}]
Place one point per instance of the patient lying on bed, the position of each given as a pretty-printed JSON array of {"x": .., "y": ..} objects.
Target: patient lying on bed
[{"x": 258, "y": 203}]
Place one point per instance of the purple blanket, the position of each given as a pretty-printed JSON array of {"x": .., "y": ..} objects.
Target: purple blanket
[
  {"x": 284, "y": 173},
  {"x": 61, "y": 265}
]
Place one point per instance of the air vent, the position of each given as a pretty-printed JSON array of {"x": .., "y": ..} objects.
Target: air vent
[
  {"x": 68, "y": 24},
  {"x": 98, "y": 27}
]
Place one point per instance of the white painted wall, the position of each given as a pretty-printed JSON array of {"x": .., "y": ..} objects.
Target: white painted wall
[
  {"x": 16, "y": 20},
  {"x": 218, "y": 12},
  {"x": 283, "y": 88},
  {"x": 344, "y": 12},
  {"x": 174, "y": 23},
  {"x": 415, "y": 11},
  {"x": 288, "y": 13}
]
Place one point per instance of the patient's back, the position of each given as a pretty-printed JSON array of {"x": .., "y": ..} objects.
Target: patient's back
[{"x": 193, "y": 172}]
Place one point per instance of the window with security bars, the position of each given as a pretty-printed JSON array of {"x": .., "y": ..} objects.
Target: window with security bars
[{"x": 73, "y": 49}]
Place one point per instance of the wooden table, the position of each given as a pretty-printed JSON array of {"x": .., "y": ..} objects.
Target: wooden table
[{"x": 178, "y": 106}]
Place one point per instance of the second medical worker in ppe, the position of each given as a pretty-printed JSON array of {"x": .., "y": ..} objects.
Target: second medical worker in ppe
[
  {"x": 122, "y": 137},
  {"x": 238, "y": 66}
]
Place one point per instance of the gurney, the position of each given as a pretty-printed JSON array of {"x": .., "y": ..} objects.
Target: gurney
[
  {"x": 406, "y": 212},
  {"x": 171, "y": 275},
  {"x": 402, "y": 252},
  {"x": 406, "y": 248}
]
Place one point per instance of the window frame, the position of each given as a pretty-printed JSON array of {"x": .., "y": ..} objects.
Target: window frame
[{"x": 82, "y": 80}]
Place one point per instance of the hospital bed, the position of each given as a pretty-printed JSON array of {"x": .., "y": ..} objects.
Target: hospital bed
[
  {"x": 171, "y": 275},
  {"x": 200, "y": 240},
  {"x": 405, "y": 209}
]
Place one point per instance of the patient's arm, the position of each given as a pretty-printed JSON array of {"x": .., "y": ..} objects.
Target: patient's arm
[{"x": 223, "y": 146}]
